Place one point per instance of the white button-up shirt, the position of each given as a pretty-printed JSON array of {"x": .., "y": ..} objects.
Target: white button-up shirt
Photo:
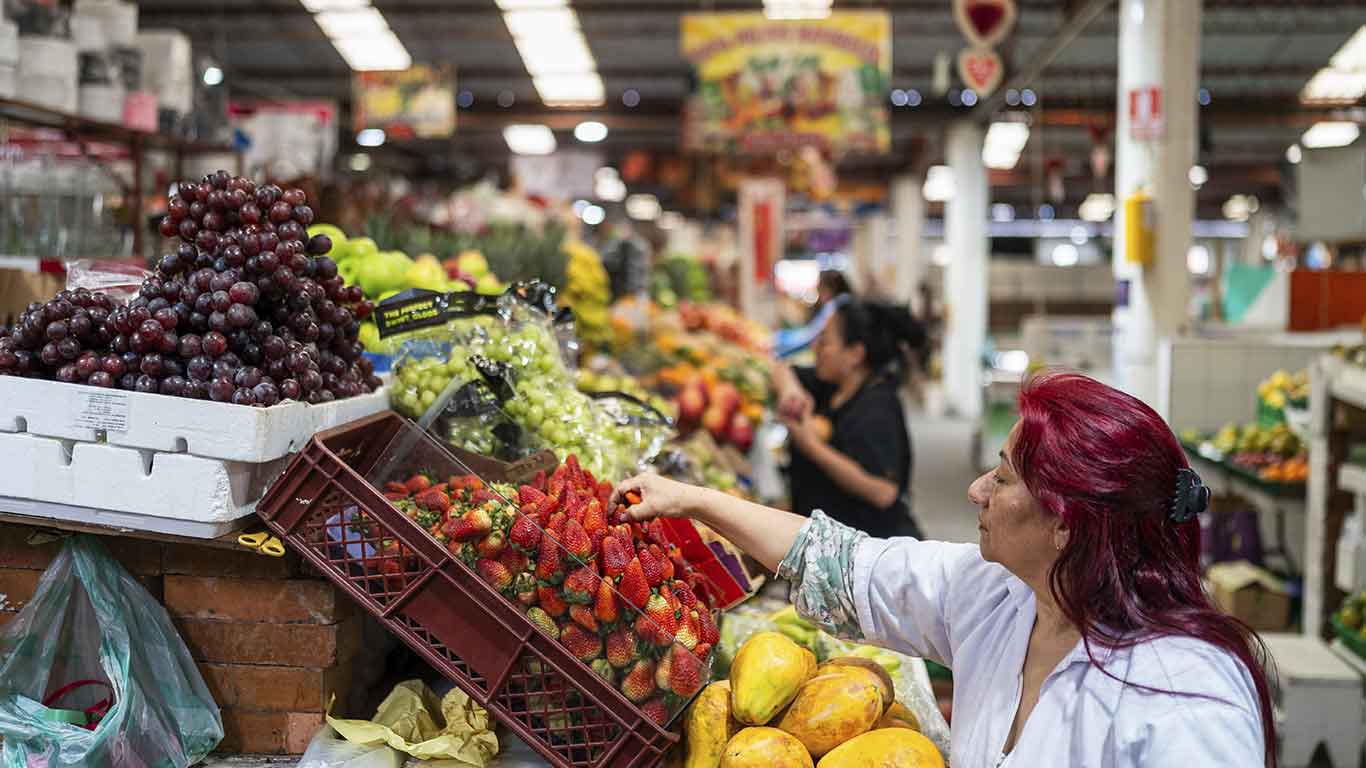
[{"x": 944, "y": 602}]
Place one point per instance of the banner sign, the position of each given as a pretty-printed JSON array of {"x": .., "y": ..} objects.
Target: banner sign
[
  {"x": 766, "y": 85},
  {"x": 415, "y": 103}
]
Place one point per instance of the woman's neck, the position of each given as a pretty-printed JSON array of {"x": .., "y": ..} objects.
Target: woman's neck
[
  {"x": 1048, "y": 615},
  {"x": 850, "y": 385}
]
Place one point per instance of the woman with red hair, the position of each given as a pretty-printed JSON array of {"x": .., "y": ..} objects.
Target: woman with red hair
[{"x": 1078, "y": 631}]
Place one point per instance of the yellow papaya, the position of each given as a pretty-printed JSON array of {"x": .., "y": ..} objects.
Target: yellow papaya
[
  {"x": 762, "y": 747},
  {"x": 886, "y": 748},
  {"x": 765, "y": 676},
  {"x": 832, "y": 708},
  {"x": 897, "y": 716},
  {"x": 709, "y": 726},
  {"x": 866, "y": 667}
]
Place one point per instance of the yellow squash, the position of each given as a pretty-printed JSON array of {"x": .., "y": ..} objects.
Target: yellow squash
[
  {"x": 832, "y": 708},
  {"x": 709, "y": 726},
  {"x": 767, "y": 672},
  {"x": 887, "y": 748},
  {"x": 764, "y": 748}
]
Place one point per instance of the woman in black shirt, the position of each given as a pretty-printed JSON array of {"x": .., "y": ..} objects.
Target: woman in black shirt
[{"x": 851, "y": 451}]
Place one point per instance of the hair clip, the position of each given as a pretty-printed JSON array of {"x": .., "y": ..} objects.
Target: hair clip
[{"x": 1191, "y": 497}]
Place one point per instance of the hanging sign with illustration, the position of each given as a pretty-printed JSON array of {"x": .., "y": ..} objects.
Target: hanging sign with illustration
[
  {"x": 980, "y": 69},
  {"x": 985, "y": 23}
]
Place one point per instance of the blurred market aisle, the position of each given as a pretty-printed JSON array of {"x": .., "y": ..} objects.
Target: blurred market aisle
[{"x": 943, "y": 472}]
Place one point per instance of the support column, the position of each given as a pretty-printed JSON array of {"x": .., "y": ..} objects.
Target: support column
[
  {"x": 965, "y": 227},
  {"x": 1159, "y": 46},
  {"x": 912, "y": 262}
]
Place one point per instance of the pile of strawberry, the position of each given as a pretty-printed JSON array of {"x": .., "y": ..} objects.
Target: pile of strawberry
[{"x": 614, "y": 592}]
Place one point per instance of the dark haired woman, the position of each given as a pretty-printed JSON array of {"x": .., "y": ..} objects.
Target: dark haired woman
[
  {"x": 851, "y": 451},
  {"x": 1078, "y": 632}
]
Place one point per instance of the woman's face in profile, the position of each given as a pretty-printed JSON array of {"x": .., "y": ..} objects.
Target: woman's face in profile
[{"x": 1013, "y": 527}]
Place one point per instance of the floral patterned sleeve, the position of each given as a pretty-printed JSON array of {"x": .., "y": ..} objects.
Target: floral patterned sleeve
[{"x": 820, "y": 569}]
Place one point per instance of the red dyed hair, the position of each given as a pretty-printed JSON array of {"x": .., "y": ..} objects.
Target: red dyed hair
[{"x": 1106, "y": 464}]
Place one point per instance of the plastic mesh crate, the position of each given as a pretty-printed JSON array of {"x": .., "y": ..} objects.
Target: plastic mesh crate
[{"x": 328, "y": 507}]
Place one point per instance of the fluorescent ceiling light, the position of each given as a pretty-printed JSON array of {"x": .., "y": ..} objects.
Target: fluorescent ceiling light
[
  {"x": 643, "y": 207},
  {"x": 590, "y": 131},
  {"x": 1333, "y": 86},
  {"x": 524, "y": 139},
  {"x": 567, "y": 56},
  {"x": 1198, "y": 260},
  {"x": 583, "y": 90},
  {"x": 1330, "y": 134},
  {"x": 365, "y": 22},
  {"x": 373, "y": 54},
  {"x": 609, "y": 188},
  {"x": 939, "y": 185},
  {"x": 1197, "y": 176},
  {"x": 1097, "y": 207},
  {"x": 522, "y": 5},
  {"x": 797, "y": 9},
  {"x": 360, "y": 162},
  {"x": 1002, "y": 212},
  {"x": 593, "y": 215},
  {"x": 544, "y": 24},
  {"x": 1352, "y": 55},
  {"x": 317, "y": 6},
  {"x": 1065, "y": 255},
  {"x": 1003, "y": 145},
  {"x": 1240, "y": 207},
  {"x": 370, "y": 137},
  {"x": 1293, "y": 154},
  {"x": 213, "y": 76}
]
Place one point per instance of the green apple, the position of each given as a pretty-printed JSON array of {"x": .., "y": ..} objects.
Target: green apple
[{"x": 472, "y": 263}]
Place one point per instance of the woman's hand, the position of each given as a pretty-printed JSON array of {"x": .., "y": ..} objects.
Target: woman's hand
[
  {"x": 658, "y": 497},
  {"x": 795, "y": 403},
  {"x": 801, "y": 433}
]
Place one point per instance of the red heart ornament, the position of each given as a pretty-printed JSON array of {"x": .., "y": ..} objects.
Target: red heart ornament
[
  {"x": 980, "y": 69},
  {"x": 984, "y": 22}
]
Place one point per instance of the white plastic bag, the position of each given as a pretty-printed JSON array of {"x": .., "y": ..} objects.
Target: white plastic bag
[{"x": 327, "y": 750}]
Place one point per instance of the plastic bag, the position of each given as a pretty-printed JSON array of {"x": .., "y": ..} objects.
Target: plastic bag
[
  {"x": 120, "y": 280},
  {"x": 91, "y": 621},
  {"x": 328, "y": 750},
  {"x": 451, "y": 732}
]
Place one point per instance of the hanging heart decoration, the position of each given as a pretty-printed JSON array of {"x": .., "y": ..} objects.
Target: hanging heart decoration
[
  {"x": 980, "y": 69},
  {"x": 984, "y": 22}
]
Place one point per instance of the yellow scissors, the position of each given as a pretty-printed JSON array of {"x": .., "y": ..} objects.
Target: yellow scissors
[{"x": 263, "y": 542}]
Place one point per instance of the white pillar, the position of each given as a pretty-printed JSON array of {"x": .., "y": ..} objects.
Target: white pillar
[
  {"x": 912, "y": 257},
  {"x": 1159, "y": 45},
  {"x": 965, "y": 226}
]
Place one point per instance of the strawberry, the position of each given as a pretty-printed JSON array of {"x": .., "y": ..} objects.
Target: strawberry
[
  {"x": 605, "y": 605},
  {"x": 633, "y": 587},
  {"x": 483, "y": 495},
  {"x": 622, "y": 647},
  {"x": 471, "y": 525},
  {"x": 702, "y": 650},
  {"x": 605, "y": 494},
  {"x": 632, "y": 498},
  {"x": 556, "y": 526},
  {"x": 662, "y": 670},
  {"x": 574, "y": 507},
  {"x": 576, "y": 541},
  {"x": 492, "y": 545},
  {"x": 546, "y": 509},
  {"x": 659, "y": 621},
  {"x": 639, "y": 682},
  {"x": 549, "y": 566},
  {"x": 584, "y": 645},
  {"x": 689, "y": 633},
  {"x": 707, "y": 631},
  {"x": 528, "y": 495},
  {"x": 604, "y": 670},
  {"x": 525, "y": 534},
  {"x": 556, "y": 485},
  {"x": 395, "y": 495},
  {"x": 495, "y": 573},
  {"x": 655, "y": 710},
  {"x": 573, "y": 473},
  {"x": 651, "y": 567},
  {"x": 613, "y": 557},
  {"x": 685, "y": 672},
  {"x": 417, "y": 484},
  {"x": 594, "y": 519},
  {"x": 583, "y": 616},
  {"x": 543, "y": 622},
  {"x": 581, "y": 585},
  {"x": 514, "y": 561},
  {"x": 393, "y": 487},
  {"x": 551, "y": 602},
  {"x": 524, "y": 586},
  {"x": 684, "y": 594},
  {"x": 665, "y": 563}
]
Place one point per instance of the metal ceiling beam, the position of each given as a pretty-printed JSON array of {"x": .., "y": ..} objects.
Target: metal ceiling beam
[{"x": 1083, "y": 12}]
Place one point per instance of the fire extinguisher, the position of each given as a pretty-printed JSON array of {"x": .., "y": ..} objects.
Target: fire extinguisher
[{"x": 1139, "y": 228}]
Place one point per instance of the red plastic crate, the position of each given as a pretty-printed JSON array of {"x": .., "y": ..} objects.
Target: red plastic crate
[{"x": 325, "y": 509}]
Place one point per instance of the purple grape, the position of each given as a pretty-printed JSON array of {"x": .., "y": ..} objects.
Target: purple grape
[
  {"x": 221, "y": 390},
  {"x": 243, "y": 397},
  {"x": 244, "y": 293},
  {"x": 167, "y": 318},
  {"x": 69, "y": 348},
  {"x": 267, "y": 394},
  {"x": 215, "y": 344},
  {"x": 147, "y": 383},
  {"x": 113, "y": 365},
  {"x": 151, "y": 365},
  {"x": 199, "y": 368},
  {"x": 280, "y": 212},
  {"x": 87, "y": 364},
  {"x": 319, "y": 244},
  {"x": 67, "y": 373},
  {"x": 173, "y": 385},
  {"x": 100, "y": 379},
  {"x": 290, "y": 389},
  {"x": 191, "y": 345}
]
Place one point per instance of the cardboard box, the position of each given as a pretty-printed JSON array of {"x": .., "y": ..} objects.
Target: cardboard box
[{"x": 1252, "y": 594}]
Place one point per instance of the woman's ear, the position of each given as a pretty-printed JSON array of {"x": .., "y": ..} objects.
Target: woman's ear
[{"x": 1061, "y": 535}]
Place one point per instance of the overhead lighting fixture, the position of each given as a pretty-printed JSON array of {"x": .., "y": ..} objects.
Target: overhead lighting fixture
[
  {"x": 942, "y": 255},
  {"x": 612, "y": 190},
  {"x": 1293, "y": 154},
  {"x": 1065, "y": 255},
  {"x": 567, "y": 55},
  {"x": 359, "y": 23},
  {"x": 939, "y": 185},
  {"x": 1330, "y": 134},
  {"x": 360, "y": 34},
  {"x": 1046, "y": 212},
  {"x": 1002, "y": 212},
  {"x": 1097, "y": 207},
  {"x": 524, "y": 5},
  {"x": 318, "y": 6},
  {"x": 1197, "y": 176},
  {"x": 529, "y": 139},
  {"x": 1240, "y": 207},
  {"x": 797, "y": 10},
  {"x": 544, "y": 24},
  {"x": 371, "y": 137},
  {"x": 593, "y": 215},
  {"x": 360, "y": 162},
  {"x": 1198, "y": 260},
  {"x": 590, "y": 131},
  {"x": 1343, "y": 81},
  {"x": 643, "y": 207},
  {"x": 1003, "y": 144},
  {"x": 570, "y": 90},
  {"x": 213, "y": 76},
  {"x": 384, "y": 53},
  {"x": 1352, "y": 55},
  {"x": 1078, "y": 235}
]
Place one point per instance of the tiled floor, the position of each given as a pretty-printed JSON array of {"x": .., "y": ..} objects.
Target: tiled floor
[{"x": 943, "y": 472}]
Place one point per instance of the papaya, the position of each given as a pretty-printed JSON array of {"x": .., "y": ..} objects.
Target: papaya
[
  {"x": 765, "y": 676},
  {"x": 871, "y": 669},
  {"x": 832, "y": 708},
  {"x": 886, "y": 748},
  {"x": 897, "y": 716},
  {"x": 761, "y": 747},
  {"x": 709, "y": 726}
]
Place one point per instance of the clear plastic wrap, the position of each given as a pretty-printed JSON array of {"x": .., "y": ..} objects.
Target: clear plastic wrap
[{"x": 328, "y": 750}]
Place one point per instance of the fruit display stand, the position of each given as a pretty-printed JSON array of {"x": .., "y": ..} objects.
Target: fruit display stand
[{"x": 1336, "y": 488}]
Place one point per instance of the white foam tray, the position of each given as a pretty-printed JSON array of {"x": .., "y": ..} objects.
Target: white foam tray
[
  {"x": 200, "y": 428},
  {"x": 173, "y": 486}
]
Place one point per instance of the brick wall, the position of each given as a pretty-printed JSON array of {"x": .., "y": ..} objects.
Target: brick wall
[{"x": 274, "y": 641}]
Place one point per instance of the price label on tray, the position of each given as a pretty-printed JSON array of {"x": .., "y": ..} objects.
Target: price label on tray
[{"x": 100, "y": 409}]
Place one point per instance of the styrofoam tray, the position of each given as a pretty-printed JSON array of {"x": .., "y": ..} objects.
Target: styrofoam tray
[
  {"x": 172, "y": 424},
  {"x": 37, "y": 512},
  {"x": 177, "y": 486}
]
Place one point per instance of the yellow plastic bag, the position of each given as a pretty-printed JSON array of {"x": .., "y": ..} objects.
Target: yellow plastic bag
[{"x": 452, "y": 733}]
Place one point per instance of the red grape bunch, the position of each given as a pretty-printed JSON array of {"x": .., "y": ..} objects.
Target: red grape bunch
[{"x": 246, "y": 309}]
